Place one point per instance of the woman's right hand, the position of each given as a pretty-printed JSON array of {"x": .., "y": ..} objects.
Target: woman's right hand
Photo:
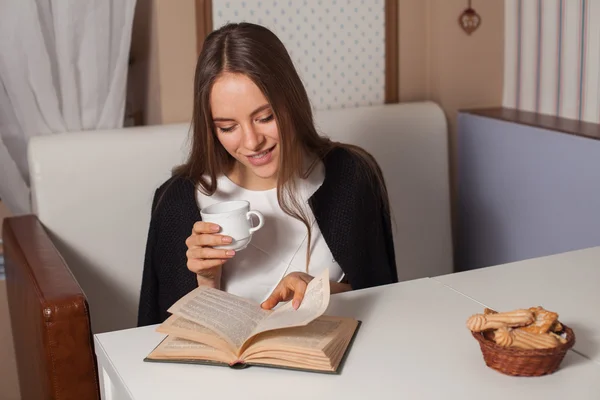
[{"x": 202, "y": 258}]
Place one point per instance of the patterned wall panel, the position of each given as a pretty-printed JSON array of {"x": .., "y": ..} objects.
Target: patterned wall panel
[
  {"x": 552, "y": 57},
  {"x": 338, "y": 46}
]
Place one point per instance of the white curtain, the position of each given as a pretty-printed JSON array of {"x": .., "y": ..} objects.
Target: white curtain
[{"x": 63, "y": 67}]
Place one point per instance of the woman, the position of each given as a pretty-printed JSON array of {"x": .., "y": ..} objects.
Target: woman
[{"x": 325, "y": 203}]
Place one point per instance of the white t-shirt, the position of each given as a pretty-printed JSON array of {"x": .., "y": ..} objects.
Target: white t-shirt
[{"x": 279, "y": 247}]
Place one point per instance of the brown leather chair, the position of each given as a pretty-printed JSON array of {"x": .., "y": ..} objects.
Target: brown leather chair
[{"x": 50, "y": 317}]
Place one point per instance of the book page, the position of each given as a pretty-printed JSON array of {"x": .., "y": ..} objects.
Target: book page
[
  {"x": 175, "y": 344},
  {"x": 316, "y": 335},
  {"x": 186, "y": 329},
  {"x": 231, "y": 317},
  {"x": 174, "y": 348},
  {"x": 314, "y": 304}
]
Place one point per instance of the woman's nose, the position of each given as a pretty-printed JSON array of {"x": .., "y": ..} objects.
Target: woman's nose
[{"x": 252, "y": 139}]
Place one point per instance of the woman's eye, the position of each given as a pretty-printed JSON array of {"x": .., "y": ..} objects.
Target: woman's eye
[
  {"x": 266, "y": 119},
  {"x": 226, "y": 129}
]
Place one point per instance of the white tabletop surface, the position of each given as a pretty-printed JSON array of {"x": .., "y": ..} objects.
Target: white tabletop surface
[
  {"x": 566, "y": 283},
  {"x": 413, "y": 344}
]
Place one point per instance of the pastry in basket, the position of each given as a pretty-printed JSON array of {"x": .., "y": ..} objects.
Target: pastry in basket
[
  {"x": 516, "y": 318},
  {"x": 524, "y": 342},
  {"x": 507, "y": 337},
  {"x": 533, "y": 328},
  {"x": 558, "y": 337},
  {"x": 556, "y": 327},
  {"x": 544, "y": 321}
]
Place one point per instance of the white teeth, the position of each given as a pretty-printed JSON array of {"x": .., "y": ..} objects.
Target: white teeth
[{"x": 264, "y": 153}]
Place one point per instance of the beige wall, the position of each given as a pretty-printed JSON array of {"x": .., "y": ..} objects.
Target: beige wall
[
  {"x": 465, "y": 71},
  {"x": 413, "y": 53},
  {"x": 163, "y": 47},
  {"x": 176, "y": 22},
  {"x": 143, "y": 92},
  {"x": 439, "y": 62}
]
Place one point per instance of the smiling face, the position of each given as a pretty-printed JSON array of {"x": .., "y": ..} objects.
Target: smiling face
[{"x": 246, "y": 127}]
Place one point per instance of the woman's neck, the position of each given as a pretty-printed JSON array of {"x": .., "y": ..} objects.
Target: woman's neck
[{"x": 246, "y": 179}]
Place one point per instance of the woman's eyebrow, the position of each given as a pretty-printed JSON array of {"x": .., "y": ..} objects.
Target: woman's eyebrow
[{"x": 259, "y": 109}]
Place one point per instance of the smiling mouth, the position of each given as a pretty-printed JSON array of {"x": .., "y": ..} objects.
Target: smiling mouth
[{"x": 262, "y": 154}]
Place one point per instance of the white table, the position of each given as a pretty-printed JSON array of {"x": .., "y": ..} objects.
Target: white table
[
  {"x": 567, "y": 283},
  {"x": 413, "y": 344}
]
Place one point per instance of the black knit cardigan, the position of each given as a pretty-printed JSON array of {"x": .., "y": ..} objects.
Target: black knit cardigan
[{"x": 348, "y": 210}]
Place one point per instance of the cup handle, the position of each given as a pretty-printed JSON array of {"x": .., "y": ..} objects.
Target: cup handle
[{"x": 261, "y": 220}]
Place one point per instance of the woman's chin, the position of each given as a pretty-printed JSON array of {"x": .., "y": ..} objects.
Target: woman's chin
[{"x": 266, "y": 174}]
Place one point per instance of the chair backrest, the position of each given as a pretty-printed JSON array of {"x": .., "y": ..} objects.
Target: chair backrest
[
  {"x": 93, "y": 192},
  {"x": 49, "y": 317}
]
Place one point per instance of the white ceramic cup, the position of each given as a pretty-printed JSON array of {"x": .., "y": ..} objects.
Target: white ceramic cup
[{"x": 235, "y": 220}]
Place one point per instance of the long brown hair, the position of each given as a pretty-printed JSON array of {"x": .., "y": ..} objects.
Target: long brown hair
[{"x": 256, "y": 52}]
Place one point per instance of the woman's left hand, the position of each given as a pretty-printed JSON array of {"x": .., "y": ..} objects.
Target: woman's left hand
[{"x": 292, "y": 287}]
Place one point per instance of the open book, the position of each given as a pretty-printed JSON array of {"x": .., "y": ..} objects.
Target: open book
[{"x": 210, "y": 326}]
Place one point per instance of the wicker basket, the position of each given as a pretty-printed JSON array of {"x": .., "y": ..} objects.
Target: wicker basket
[{"x": 520, "y": 362}]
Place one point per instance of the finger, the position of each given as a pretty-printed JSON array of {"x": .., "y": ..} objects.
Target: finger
[
  {"x": 271, "y": 302},
  {"x": 205, "y": 227},
  {"x": 299, "y": 290},
  {"x": 207, "y": 240},
  {"x": 204, "y": 267},
  {"x": 206, "y": 253},
  {"x": 275, "y": 297}
]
